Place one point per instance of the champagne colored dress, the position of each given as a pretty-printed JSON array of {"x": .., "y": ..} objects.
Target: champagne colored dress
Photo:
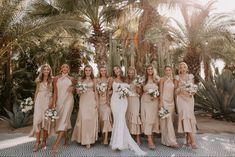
[
  {"x": 42, "y": 101},
  {"x": 86, "y": 127},
  {"x": 105, "y": 118},
  {"x": 64, "y": 103},
  {"x": 133, "y": 112},
  {"x": 185, "y": 108},
  {"x": 166, "y": 124},
  {"x": 149, "y": 111}
]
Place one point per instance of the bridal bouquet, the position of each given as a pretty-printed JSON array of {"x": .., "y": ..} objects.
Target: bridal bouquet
[
  {"x": 101, "y": 87},
  {"x": 163, "y": 113},
  {"x": 153, "y": 92},
  {"x": 51, "y": 114},
  {"x": 82, "y": 87},
  {"x": 26, "y": 105},
  {"x": 123, "y": 91},
  {"x": 190, "y": 88},
  {"x": 139, "y": 80}
]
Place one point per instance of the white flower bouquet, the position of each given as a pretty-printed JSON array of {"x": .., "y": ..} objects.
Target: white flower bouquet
[
  {"x": 163, "y": 113},
  {"x": 51, "y": 114},
  {"x": 190, "y": 88},
  {"x": 153, "y": 92},
  {"x": 123, "y": 91},
  {"x": 82, "y": 87},
  {"x": 26, "y": 105},
  {"x": 101, "y": 87},
  {"x": 139, "y": 80}
]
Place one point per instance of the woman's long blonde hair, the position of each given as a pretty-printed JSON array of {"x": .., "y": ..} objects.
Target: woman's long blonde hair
[
  {"x": 40, "y": 77},
  {"x": 128, "y": 78},
  {"x": 183, "y": 63},
  {"x": 104, "y": 67}
]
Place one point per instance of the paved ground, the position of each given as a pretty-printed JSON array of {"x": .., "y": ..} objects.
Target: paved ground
[{"x": 210, "y": 145}]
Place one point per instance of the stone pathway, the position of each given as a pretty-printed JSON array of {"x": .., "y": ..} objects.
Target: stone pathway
[{"x": 210, "y": 145}]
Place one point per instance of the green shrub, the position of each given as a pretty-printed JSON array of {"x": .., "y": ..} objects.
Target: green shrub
[
  {"x": 217, "y": 96},
  {"x": 16, "y": 118}
]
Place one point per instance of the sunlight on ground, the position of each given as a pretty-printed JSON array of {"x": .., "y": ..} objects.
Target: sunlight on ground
[
  {"x": 229, "y": 147},
  {"x": 15, "y": 141}
]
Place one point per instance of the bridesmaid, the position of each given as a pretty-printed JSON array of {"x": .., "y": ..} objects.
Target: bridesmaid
[
  {"x": 149, "y": 107},
  {"x": 43, "y": 100},
  {"x": 105, "y": 118},
  {"x": 63, "y": 101},
  {"x": 133, "y": 109},
  {"x": 86, "y": 127},
  {"x": 185, "y": 105},
  {"x": 167, "y": 101}
]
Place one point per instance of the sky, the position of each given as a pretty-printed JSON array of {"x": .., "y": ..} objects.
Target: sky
[{"x": 227, "y": 6}]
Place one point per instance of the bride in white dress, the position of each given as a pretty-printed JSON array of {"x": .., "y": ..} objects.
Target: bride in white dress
[{"x": 121, "y": 138}]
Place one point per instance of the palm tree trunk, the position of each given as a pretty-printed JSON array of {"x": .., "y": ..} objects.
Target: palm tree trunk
[
  {"x": 8, "y": 82},
  {"x": 99, "y": 40},
  {"x": 206, "y": 69},
  {"x": 147, "y": 20},
  {"x": 193, "y": 62}
]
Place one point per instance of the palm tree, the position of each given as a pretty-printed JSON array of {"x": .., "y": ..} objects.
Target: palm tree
[
  {"x": 18, "y": 28},
  {"x": 202, "y": 36},
  {"x": 150, "y": 19},
  {"x": 94, "y": 14}
]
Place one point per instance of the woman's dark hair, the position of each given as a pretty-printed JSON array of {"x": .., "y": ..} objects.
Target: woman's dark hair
[
  {"x": 114, "y": 75},
  {"x": 146, "y": 73},
  {"x": 92, "y": 74}
]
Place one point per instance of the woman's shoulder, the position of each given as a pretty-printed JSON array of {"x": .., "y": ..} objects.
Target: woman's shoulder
[{"x": 55, "y": 78}]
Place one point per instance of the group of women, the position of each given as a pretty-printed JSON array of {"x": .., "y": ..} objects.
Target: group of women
[{"x": 105, "y": 112}]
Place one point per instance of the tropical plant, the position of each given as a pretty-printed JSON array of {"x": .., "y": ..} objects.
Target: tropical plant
[
  {"x": 94, "y": 14},
  {"x": 217, "y": 96},
  {"x": 203, "y": 35},
  {"x": 16, "y": 118}
]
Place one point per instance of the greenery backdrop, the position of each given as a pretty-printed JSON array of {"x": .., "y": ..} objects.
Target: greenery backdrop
[{"x": 108, "y": 32}]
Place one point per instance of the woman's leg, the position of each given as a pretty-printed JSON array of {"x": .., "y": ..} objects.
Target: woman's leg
[
  {"x": 192, "y": 142},
  {"x": 151, "y": 145},
  {"x": 138, "y": 139},
  {"x": 45, "y": 136},
  {"x": 36, "y": 145},
  {"x": 57, "y": 142},
  {"x": 105, "y": 138},
  {"x": 65, "y": 138}
]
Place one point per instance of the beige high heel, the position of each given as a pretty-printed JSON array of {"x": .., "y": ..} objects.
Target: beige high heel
[
  {"x": 36, "y": 146},
  {"x": 88, "y": 146}
]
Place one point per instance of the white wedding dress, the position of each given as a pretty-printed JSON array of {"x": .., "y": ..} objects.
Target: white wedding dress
[{"x": 121, "y": 138}]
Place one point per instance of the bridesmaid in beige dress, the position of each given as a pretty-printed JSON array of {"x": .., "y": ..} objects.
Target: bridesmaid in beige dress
[
  {"x": 133, "y": 109},
  {"x": 86, "y": 127},
  {"x": 150, "y": 107},
  {"x": 43, "y": 100},
  {"x": 185, "y": 105},
  {"x": 64, "y": 86},
  {"x": 167, "y": 101},
  {"x": 105, "y": 118}
]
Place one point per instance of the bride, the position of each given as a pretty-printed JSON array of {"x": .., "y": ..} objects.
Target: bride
[{"x": 121, "y": 138}]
